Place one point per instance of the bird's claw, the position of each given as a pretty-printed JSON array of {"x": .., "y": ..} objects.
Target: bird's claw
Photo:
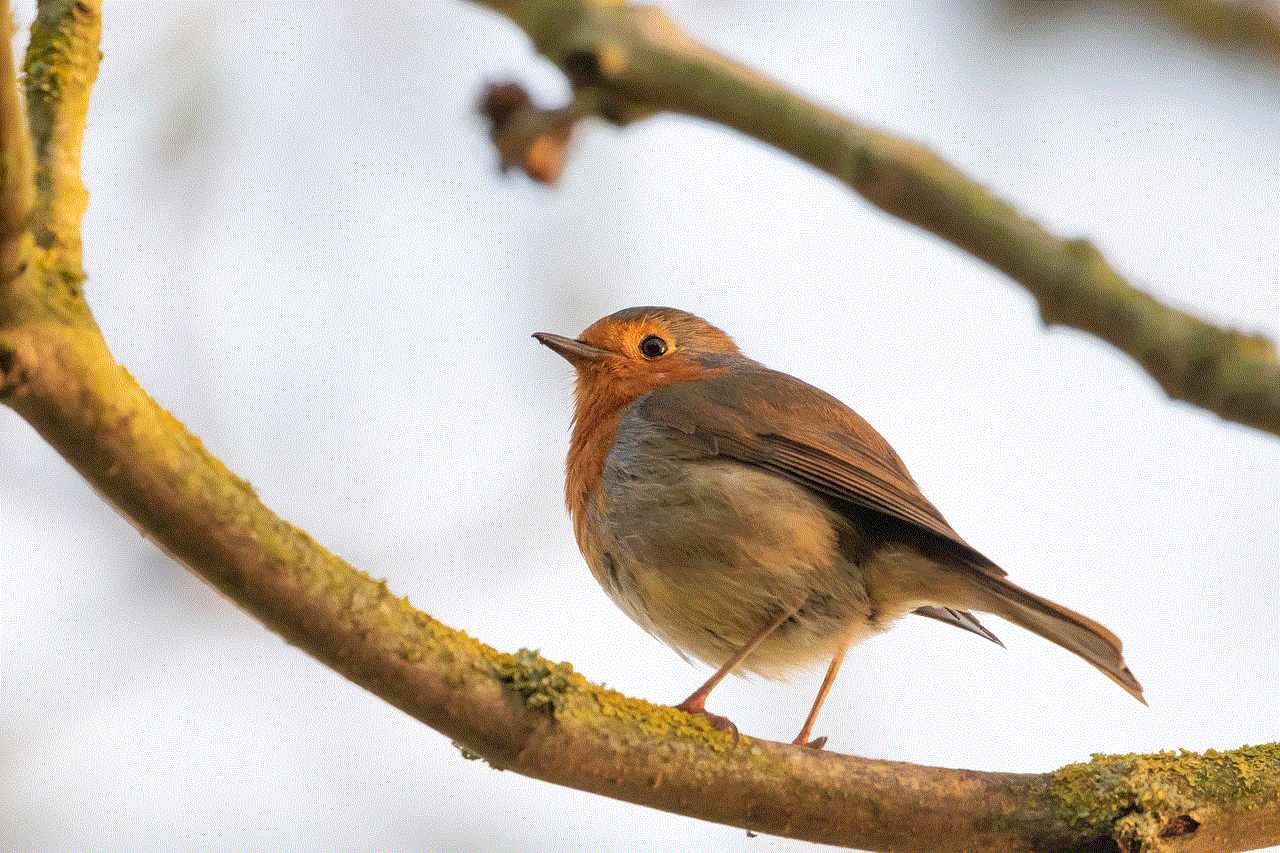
[
  {"x": 723, "y": 724},
  {"x": 816, "y": 743}
]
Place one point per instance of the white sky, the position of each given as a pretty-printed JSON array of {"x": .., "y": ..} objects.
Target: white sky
[{"x": 296, "y": 240}]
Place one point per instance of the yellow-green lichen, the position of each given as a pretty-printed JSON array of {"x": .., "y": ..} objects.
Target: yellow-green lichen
[
  {"x": 656, "y": 721},
  {"x": 541, "y": 684},
  {"x": 1139, "y": 800},
  {"x": 556, "y": 689}
]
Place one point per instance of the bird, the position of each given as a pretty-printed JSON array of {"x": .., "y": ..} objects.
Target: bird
[{"x": 756, "y": 523}]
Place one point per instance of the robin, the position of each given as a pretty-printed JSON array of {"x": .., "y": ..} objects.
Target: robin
[{"x": 758, "y": 524}]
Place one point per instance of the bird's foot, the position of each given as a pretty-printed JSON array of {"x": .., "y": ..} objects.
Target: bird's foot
[
  {"x": 816, "y": 743},
  {"x": 718, "y": 722}
]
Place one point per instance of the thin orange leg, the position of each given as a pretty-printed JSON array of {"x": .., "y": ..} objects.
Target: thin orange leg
[
  {"x": 696, "y": 703},
  {"x": 827, "y": 681}
]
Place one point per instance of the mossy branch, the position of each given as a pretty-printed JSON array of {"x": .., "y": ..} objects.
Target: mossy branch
[
  {"x": 520, "y": 711},
  {"x": 60, "y": 68},
  {"x": 627, "y": 62}
]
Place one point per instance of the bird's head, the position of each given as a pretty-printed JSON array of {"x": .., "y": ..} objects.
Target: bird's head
[{"x": 636, "y": 350}]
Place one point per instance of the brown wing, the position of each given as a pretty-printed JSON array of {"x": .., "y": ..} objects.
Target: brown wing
[{"x": 776, "y": 422}]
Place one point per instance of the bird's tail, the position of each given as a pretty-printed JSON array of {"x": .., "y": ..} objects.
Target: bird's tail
[{"x": 1057, "y": 624}]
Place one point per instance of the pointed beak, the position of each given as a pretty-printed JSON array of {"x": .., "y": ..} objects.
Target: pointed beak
[{"x": 574, "y": 351}]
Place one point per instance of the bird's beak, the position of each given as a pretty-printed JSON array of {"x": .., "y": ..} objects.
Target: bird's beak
[{"x": 574, "y": 351}]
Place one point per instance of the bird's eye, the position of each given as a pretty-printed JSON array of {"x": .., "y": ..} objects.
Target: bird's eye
[{"x": 653, "y": 347}]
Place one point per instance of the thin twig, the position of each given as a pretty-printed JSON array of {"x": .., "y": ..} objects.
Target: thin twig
[{"x": 17, "y": 189}]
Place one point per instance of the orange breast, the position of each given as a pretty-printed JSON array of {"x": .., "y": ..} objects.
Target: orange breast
[{"x": 595, "y": 426}]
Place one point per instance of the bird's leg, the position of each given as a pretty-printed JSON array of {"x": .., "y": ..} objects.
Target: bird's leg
[
  {"x": 697, "y": 701},
  {"x": 818, "y": 742}
]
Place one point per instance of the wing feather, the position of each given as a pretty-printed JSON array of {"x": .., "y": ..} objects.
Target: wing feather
[{"x": 775, "y": 422}]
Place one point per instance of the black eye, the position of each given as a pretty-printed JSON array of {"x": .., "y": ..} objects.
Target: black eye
[{"x": 653, "y": 347}]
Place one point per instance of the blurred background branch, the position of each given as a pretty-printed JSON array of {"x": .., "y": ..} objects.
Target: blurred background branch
[
  {"x": 1232, "y": 24},
  {"x": 634, "y": 60}
]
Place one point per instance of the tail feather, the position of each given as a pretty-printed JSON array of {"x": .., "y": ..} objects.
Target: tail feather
[
  {"x": 960, "y": 618},
  {"x": 1059, "y": 625}
]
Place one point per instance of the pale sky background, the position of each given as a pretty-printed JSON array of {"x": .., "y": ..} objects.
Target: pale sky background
[{"x": 298, "y": 243}]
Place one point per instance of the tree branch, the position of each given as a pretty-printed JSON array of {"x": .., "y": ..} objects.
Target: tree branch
[
  {"x": 634, "y": 61},
  {"x": 1229, "y": 23},
  {"x": 520, "y": 711},
  {"x": 61, "y": 65},
  {"x": 17, "y": 191}
]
